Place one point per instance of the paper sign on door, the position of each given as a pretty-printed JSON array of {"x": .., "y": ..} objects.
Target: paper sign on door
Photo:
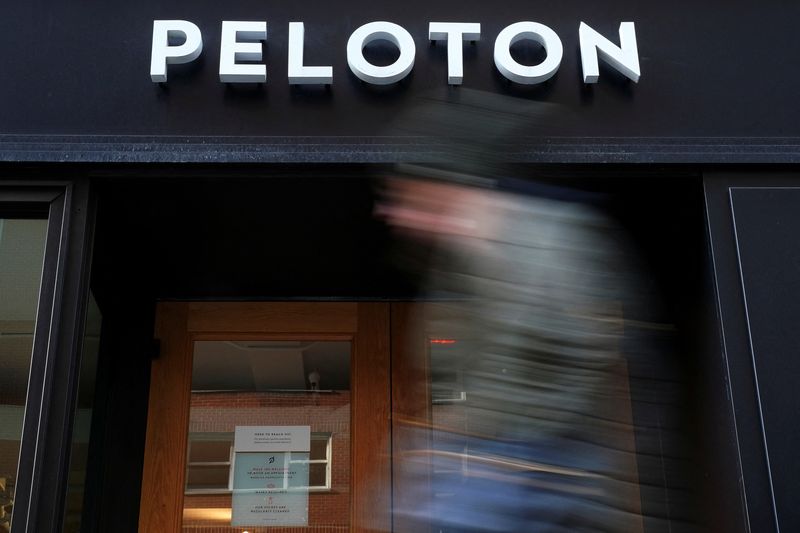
[{"x": 270, "y": 475}]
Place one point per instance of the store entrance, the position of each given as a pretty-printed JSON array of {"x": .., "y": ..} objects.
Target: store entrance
[
  {"x": 269, "y": 415},
  {"x": 159, "y": 459}
]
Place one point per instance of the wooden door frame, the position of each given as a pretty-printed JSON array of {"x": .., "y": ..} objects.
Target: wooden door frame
[
  {"x": 179, "y": 324},
  {"x": 411, "y": 410}
]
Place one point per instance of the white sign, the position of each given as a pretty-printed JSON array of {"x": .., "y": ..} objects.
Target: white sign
[
  {"x": 366, "y": 71},
  {"x": 524, "y": 74},
  {"x": 272, "y": 439},
  {"x": 454, "y": 33},
  {"x": 270, "y": 476},
  {"x": 164, "y": 54},
  {"x": 243, "y": 41},
  {"x": 299, "y": 73}
]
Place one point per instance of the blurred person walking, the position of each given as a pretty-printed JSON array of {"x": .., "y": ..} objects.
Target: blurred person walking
[{"x": 532, "y": 287}]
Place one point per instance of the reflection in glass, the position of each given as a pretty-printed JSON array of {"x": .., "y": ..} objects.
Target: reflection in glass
[
  {"x": 79, "y": 454},
  {"x": 448, "y": 414},
  {"x": 269, "y": 384},
  {"x": 21, "y": 258}
]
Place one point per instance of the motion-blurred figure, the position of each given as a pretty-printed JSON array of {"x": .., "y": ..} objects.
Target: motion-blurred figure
[{"x": 537, "y": 435}]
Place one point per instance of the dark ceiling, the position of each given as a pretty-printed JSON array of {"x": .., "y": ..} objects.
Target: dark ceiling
[{"x": 229, "y": 238}]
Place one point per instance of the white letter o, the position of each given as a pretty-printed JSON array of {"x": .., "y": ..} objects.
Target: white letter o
[
  {"x": 528, "y": 75},
  {"x": 372, "y": 31}
]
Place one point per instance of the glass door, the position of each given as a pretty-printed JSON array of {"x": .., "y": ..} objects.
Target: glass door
[
  {"x": 269, "y": 417},
  {"x": 269, "y": 435},
  {"x": 22, "y": 250},
  {"x": 460, "y": 466}
]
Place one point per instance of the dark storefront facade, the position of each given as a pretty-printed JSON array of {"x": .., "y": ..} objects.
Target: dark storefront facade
[{"x": 159, "y": 237}]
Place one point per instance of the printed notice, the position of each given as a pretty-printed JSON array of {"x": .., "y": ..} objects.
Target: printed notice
[
  {"x": 272, "y": 439},
  {"x": 270, "y": 476}
]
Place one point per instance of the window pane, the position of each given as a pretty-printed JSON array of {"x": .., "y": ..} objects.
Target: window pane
[
  {"x": 210, "y": 451},
  {"x": 317, "y": 474},
  {"x": 21, "y": 257},
  {"x": 207, "y": 477},
  {"x": 319, "y": 448},
  {"x": 79, "y": 454},
  {"x": 268, "y": 390}
]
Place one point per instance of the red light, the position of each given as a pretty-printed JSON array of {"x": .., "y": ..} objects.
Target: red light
[{"x": 443, "y": 341}]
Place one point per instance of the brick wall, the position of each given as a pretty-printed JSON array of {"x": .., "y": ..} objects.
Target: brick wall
[{"x": 328, "y": 511}]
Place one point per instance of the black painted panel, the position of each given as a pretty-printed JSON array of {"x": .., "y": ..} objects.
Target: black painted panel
[
  {"x": 766, "y": 223},
  {"x": 708, "y": 69}
]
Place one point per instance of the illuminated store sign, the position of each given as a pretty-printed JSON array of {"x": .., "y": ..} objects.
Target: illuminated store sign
[{"x": 242, "y": 41}]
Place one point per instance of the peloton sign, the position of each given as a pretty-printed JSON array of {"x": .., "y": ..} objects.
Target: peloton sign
[{"x": 180, "y": 41}]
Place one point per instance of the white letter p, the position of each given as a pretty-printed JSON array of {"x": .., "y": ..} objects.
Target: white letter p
[{"x": 163, "y": 53}]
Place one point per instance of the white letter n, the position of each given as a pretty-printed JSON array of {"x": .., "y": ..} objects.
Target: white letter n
[{"x": 623, "y": 58}]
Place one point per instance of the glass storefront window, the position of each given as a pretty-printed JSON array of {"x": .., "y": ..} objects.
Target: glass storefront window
[
  {"x": 22, "y": 244},
  {"x": 79, "y": 454},
  {"x": 269, "y": 436}
]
